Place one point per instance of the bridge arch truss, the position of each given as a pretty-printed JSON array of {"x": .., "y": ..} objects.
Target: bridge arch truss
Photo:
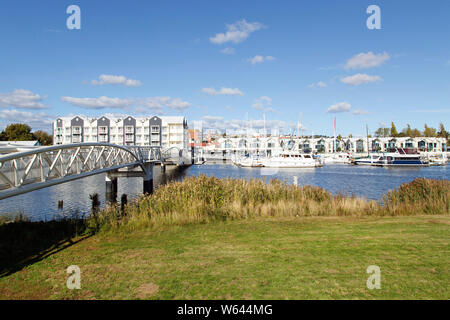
[{"x": 42, "y": 167}]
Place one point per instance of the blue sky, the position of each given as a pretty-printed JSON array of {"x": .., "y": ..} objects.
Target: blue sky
[{"x": 281, "y": 58}]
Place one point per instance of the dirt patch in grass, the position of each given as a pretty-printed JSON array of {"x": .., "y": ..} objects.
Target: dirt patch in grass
[
  {"x": 147, "y": 290},
  {"x": 439, "y": 222}
]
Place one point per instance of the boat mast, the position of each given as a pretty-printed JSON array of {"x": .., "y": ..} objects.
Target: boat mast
[
  {"x": 334, "y": 134},
  {"x": 367, "y": 135}
]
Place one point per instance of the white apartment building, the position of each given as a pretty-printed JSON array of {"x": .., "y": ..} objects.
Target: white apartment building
[
  {"x": 164, "y": 131},
  {"x": 355, "y": 145}
]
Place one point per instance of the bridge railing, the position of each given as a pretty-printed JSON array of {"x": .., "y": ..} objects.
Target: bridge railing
[{"x": 37, "y": 168}]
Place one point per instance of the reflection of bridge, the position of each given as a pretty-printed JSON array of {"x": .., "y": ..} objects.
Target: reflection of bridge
[{"x": 41, "y": 167}]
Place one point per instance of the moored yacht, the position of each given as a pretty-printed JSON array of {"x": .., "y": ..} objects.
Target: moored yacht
[
  {"x": 372, "y": 159},
  {"x": 340, "y": 157},
  {"x": 400, "y": 157},
  {"x": 289, "y": 159},
  {"x": 438, "y": 160},
  {"x": 249, "y": 161}
]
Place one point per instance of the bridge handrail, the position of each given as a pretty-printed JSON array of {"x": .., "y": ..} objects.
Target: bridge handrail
[{"x": 15, "y": 155}]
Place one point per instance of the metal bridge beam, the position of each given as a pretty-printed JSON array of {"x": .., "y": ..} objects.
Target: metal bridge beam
[{"x": 42, "y": 167}]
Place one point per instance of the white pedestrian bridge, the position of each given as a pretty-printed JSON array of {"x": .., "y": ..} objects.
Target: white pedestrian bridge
[{"x": 28, "y": 169}]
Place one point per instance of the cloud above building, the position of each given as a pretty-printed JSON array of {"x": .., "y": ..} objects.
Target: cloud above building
[
  {"x": 153, "y": 103},
  {"x": 22, "y": 99},
  {"x": 263, "y": 103},
  {"x": 38, "y": 120}
]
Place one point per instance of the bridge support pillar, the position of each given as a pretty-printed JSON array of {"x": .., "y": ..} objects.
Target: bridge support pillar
[
  {"x": 148, "y": 178},
  {"x": 111, "y": 188}
]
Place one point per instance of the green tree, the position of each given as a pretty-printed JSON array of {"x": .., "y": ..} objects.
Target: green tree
[
  {"x": 408, "y": 131},
  {"x": 416, "y": 133},
  {"x": 382, "y": 132},
  {"x": 429, "y": 132},
  {"x": 18, "y": 132},
  {"x": 43, "y": 137},
  {"x": 442, "y": 133},
  {"x": 393, "y": 132}
]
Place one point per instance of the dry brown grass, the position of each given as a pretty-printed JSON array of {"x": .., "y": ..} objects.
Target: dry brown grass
[{"x": 202, "y": 199}]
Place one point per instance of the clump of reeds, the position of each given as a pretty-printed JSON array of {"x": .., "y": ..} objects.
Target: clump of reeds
[
  {"x": 203, "y": 199},
  {"x": 421, "y": 196}
]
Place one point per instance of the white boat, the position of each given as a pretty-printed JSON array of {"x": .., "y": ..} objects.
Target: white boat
[
  {"x": 438, "y": 160},
  {"x": 341, "y": 157},
  {"x": 291, "y": 160},
  {"x": 400, "y": 157},
  {"x": 370, "y": 160},
  {"x": 250, "y": 161}
]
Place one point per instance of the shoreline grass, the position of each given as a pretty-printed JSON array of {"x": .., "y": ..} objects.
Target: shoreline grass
[{"x": 203, "y": 199}]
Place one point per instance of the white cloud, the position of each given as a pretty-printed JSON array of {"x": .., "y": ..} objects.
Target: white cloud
[
  {"x": 236, "y": 32},
  {"x": 367, "y": 60},
  {"x": 154, "y": 103},
  {"x": 223, "y": 91},
  {"x": 360, "y": 112},
  {"x": 36, "y": 121},
  {"x": 23, "y": 99},
  {"x": 339, "y": 107},
  {"x": 173, "y": 103},
  {"x": 112, "y": 79},
  {"x": 260, "y": 59},
  {"x": 240, "y": 126},
  {"x": 263, "y": 102},
  {"x": 359, "y": 79},
  {"x": 228, "y": 51},
  {"x": 319, "y": 84},
  {"x": 212, "y": 118},
  {"x": 99, "y": 103}
]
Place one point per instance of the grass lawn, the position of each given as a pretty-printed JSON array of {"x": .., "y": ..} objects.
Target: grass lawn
[{"x": 282, "y": 258}]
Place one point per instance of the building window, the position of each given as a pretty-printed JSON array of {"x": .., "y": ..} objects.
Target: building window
[
  {"x": 76, "y": 130},
  {"x": 102, "y": 130}
]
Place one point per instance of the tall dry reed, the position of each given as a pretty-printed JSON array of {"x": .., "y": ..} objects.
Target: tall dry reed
[{"x": 203, "y": 199}]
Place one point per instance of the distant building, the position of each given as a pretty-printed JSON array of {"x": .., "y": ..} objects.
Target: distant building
[
  {"x": 271, "y": 144},
  {"x": 164, "y": 131}
]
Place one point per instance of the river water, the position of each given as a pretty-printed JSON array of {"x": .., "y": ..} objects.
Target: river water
[{"x": 365, "y": 181}]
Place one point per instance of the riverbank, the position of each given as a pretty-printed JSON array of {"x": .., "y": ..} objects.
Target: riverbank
[
  {"x": 271, "y": 228},
  {"x": 263, "y": 258}
]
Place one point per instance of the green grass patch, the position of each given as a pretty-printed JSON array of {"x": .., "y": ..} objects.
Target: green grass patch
[{"x": 261, "y": 258}]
